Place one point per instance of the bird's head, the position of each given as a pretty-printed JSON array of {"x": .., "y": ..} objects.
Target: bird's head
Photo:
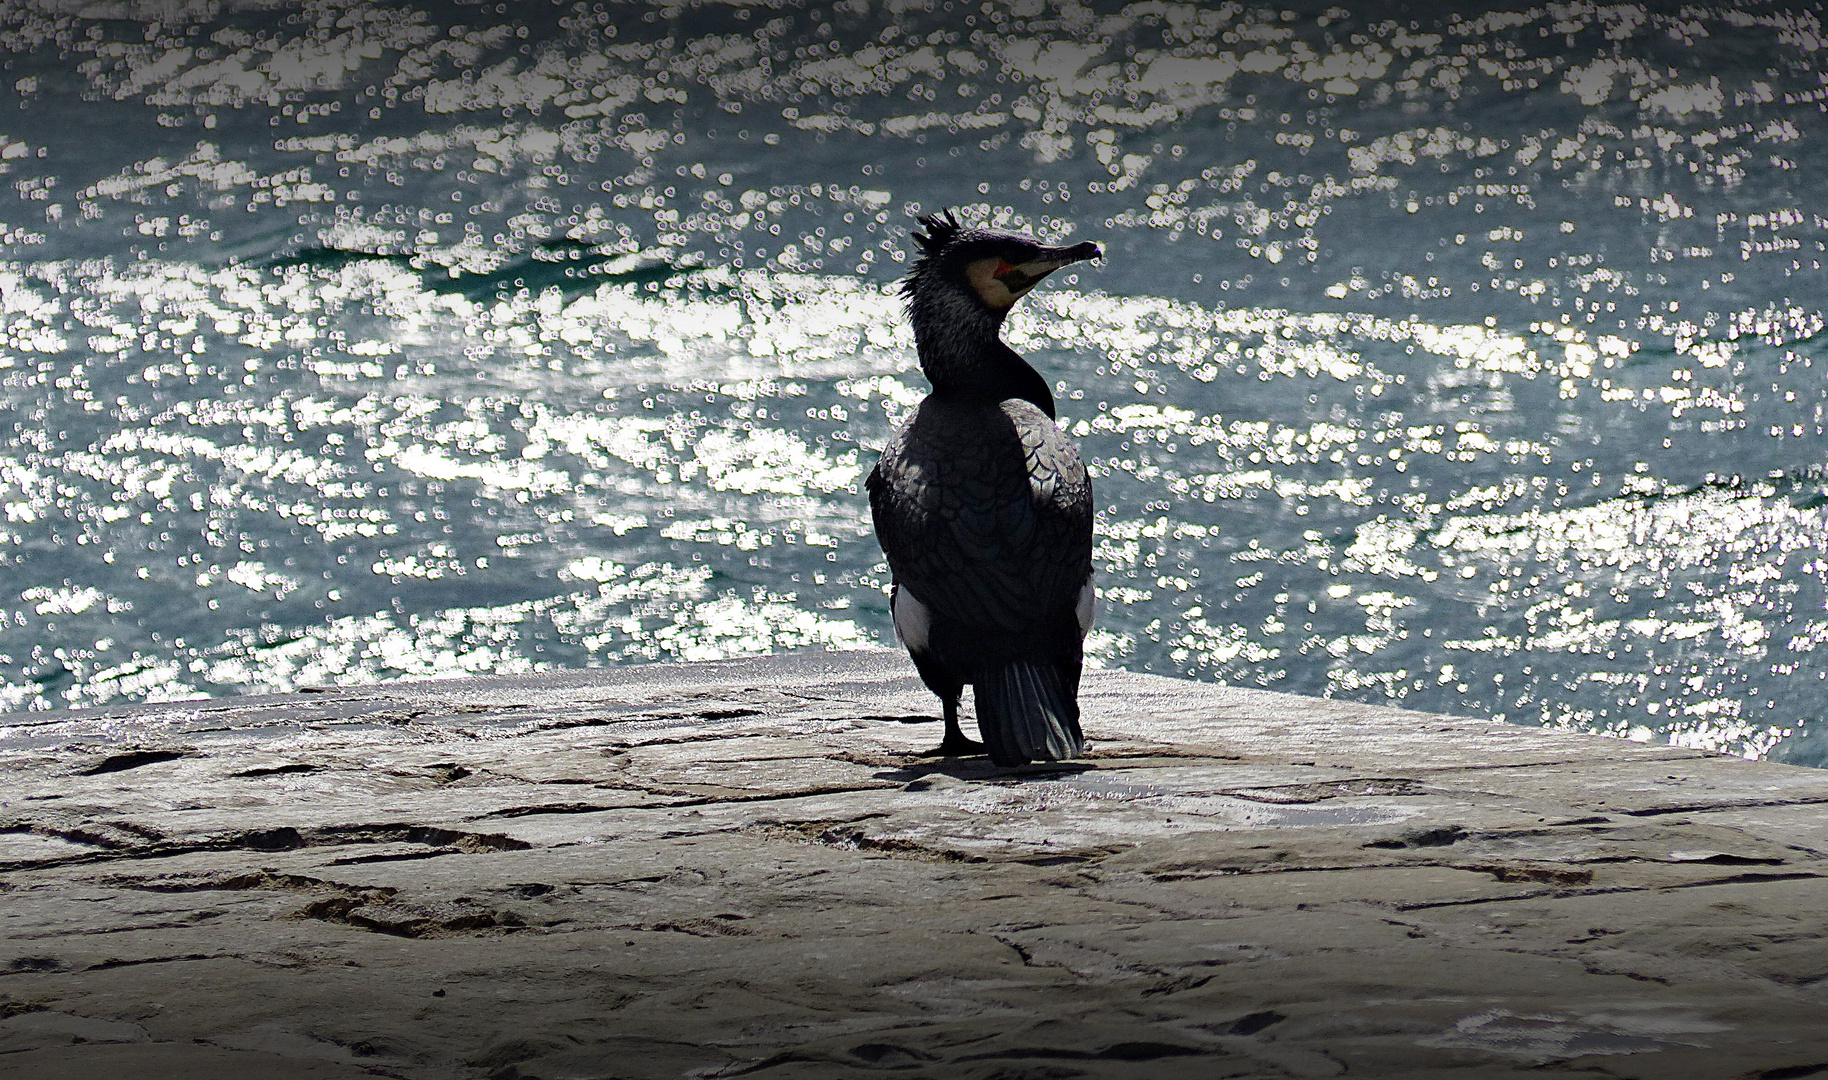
[{"x": 993, "y": 268}]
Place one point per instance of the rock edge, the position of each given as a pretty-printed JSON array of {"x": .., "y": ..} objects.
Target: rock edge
[{"x": 751, "y": 868}]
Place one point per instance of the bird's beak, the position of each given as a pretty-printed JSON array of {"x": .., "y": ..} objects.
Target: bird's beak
[
  {"x": 1020, "y": 277},
  {"x": 1052, "y": 259}
]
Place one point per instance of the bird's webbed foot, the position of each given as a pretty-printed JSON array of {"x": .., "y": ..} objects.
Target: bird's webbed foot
[{"x": 956, "y": 745}]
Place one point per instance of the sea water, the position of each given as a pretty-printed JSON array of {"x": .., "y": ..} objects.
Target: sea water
[{"x": 1457, "y": 361}]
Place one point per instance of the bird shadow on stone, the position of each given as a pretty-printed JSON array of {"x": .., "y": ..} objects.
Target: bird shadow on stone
[{"x": 925, "y": 771}]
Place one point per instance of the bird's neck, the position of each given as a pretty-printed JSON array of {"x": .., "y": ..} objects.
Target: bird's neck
[{"x": 964, "y": 357}]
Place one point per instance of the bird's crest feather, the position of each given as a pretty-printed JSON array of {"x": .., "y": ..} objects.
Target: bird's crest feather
[{"x": 941, "y": 230}]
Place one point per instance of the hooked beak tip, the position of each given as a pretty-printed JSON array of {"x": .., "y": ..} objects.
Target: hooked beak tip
[{"x": 1080, "y": 252}]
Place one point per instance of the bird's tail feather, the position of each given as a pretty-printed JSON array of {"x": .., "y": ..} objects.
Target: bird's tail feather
[{"x": 1026, "y": 713}]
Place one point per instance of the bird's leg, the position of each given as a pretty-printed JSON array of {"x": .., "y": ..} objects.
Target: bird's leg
[{"x": 955, "y": 744}]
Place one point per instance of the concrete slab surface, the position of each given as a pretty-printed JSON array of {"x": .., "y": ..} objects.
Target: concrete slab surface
[{"x": 754, "y": 868}]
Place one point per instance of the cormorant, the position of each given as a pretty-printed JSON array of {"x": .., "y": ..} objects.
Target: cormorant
[{"x": 984, "y": 508}]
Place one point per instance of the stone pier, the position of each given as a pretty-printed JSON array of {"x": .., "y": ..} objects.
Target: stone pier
[{"x": 754, "y": 868}]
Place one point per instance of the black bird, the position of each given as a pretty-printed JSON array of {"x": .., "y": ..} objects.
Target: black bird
[{"x": 984, "y": 508}]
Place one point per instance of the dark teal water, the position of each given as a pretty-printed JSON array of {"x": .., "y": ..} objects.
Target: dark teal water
[{"x": 1462, "y": 362}]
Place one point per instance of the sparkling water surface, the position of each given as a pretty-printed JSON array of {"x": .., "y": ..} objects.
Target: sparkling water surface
[{"x": 1464, "y": 362}]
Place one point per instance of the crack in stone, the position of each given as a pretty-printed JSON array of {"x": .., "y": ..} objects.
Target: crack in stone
[
  {"x": 729, "y": 800},
  {"x": 362, "y": 906},
  {"x": 258, "y": 881},
  {"x": 1708, "y": 808},
  {"x": 113, "y": 963},
  {"x": 1313, "y": 793},
  {"x": 287, "y": 838},
  {"x": 850, "y": 836},
  {"x": 1555, "y": 763},
  {"x": 402, "y": 856},
  {"x": 548, "y": 808},
  {"x": 715, "y": 926},
  {"x": 133, "y": 759},
  {"x": 279, "y": 770},
  {"x": 1126, "y": 1051},
  {"x": 375, "y": 910},
  {"x": 1736, "y": 879},
  {"x": 1548, "y": 875}
]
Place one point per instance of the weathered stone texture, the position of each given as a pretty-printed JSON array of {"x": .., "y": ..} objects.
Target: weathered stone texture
[{"x": 751, "y": 869}]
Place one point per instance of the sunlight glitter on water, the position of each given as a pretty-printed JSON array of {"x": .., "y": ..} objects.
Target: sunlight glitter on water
[
  {"x": 424, "y": 485},
  {"x": 1456, "y": 362},
  {"x": 272, "y": 490}
]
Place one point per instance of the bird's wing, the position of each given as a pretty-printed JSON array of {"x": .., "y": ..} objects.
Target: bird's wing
[{"x": 986, "y": 517}]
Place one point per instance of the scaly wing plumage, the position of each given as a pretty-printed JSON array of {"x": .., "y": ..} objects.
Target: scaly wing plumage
[{"x": 985, "y": 514}]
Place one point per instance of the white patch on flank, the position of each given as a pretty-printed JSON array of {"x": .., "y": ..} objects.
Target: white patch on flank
[
  {"x": 1087, "y": 608},
  {"x": 912, "y": 620}
]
